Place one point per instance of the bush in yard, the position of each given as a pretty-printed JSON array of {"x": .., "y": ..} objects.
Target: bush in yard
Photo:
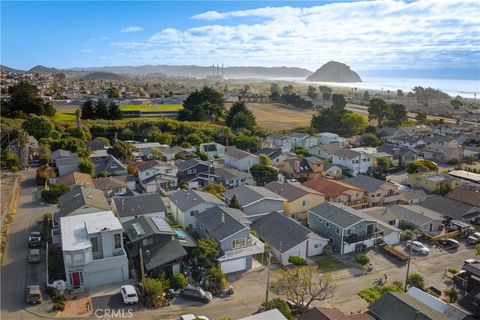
[
  {"x": 416, "y": 280},
  {"x": 280, "y": 305},
  {"x": 216, "y": 280},
  {"x": 328, "y": 251},
  {"x": 451, "y": 294},
  {"x": 297, "y": 261},
  {"x": 362, "y": 259},
  {"x": 153, "y": 292},
  {"x": 52, "y": 194},
  {"x": 207, "y": 252},
  {"x": 59, "y": 306},
  {"x": 179, "y": 281}
]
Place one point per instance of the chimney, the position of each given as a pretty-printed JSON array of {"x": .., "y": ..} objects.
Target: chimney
[
  {"x": 223, "y": 217},
  {"x": 297, "y": 165}
]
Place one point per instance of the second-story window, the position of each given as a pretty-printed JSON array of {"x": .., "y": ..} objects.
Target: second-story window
[
  {"x": 94, "y": 242},
  {"x": 238, "y": 243},
  {"x": 117, "y": 240}
]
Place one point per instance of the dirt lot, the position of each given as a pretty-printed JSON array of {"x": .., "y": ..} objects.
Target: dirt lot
[{"x": 6, "y": 186}]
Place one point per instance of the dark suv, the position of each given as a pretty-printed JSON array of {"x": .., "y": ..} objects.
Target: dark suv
[
  {"x": 196, "y": 293},
  {"x": 34, "y": 239}
]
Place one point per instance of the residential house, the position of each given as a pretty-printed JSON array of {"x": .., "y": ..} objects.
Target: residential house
[
  {"x": 333, "y": 171},
  {"x": 195, "y": 172},
  {"x": 467, "y": 193},
  {"x": 347, "y": 229},
  {"x": 60, "y": 154},
  {"x": 326, "y": 138},
  {"x": 432, "y": 181},
  {"x": 213, "y": 150},
  {"x": 67, "y": 165},
  {"x": 239, "y": 159},
  {"x": 186, "y": 204},
  {"x": 322, "y": 313},
  {"x": 231, "y": 230},
  {"x": 93, "y": 253},
  {"x": 255, "y": 201},
  {"x": 111, "y": 186},
  {"x": 412, "y": 196},
  {"x": 127, "y": 208},
  {"x": 81, "y": 200},
  {"x": 409, "y": 216},
  {"x": 273, "y": 314},
  {"x": 400, "y": 155},
  {"x": 130, "y": 180},
  {"x": 443, "y": 148},
  {"x": 110, "y": 166},
  {"x": 177, "y": 152},
  {"x": 277, "y": 141},
  {"x": 95, "y": 145},
  {"x": 145, "y": 149},
  {"x": 286, "y": 237},
  {"x": 355, "y": 162},
  {"x": 452, "y": 209},
  {"x": 379, "y": 192},
  {"x": 303, "y": 140},
  {"x": 410, "y": 142},
  {"x": 401, "y": 306},
  {"x": 299, "y": 199},
  {"x": 302, "y": 169},
  {"x": 157, "y": 176},
  {"x": 339, "y": 192},
  {"x": 416, "y": 130},
  {"x": 161, "y": 250},
  {"x": 232, "y": 178},
  {"x": 74, "y": 179},
  {"x": 277, "y": 157},
  {"x": 324, "y": 151},
  {"x": 466, "y": 176}
]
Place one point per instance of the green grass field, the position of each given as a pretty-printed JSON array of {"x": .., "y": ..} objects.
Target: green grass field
[
  {"x": 64, "y": 116},
  {"x": 155, "y": 107},
  {"x": 329, "y": 264}
]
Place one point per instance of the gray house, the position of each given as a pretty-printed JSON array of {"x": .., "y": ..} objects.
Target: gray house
[
  {"x": 452, "y": 209},
  {"x": 286, "y": 237},
  {"x": 67, "y": 165},
  {"x": 109, "y": 165},
  {"x": 255, "y": 201},
  {"x": 232, "y": 178},
  {"x": 239, "y": 159},
  {"x": 231, "y": 229},
  {"x": 127, "y": 208},
  {"x": 347, "y": 229},
  {"x": 186, "y": 204}
]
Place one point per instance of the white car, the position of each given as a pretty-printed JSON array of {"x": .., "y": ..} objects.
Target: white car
[
  {"x": 192, "y": 316},
  {"x": 129, "y": 294},
  {"x": 470, "y": 261},
  {"x": 419, "y": 247}
]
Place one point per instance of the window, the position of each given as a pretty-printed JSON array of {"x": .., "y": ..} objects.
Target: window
[
  {"x": 337, "y": 230},
  {"x": 189, "y": 171},
  {"x": 320, "y": 220},
  {"x": 117, "y": 240},
  {"x": 113, "y": 166},
  {"x": 194, "y": 171},
  {"x": 316, "y": 246},
  {"x": 330, "y": 240},
  {"x": 378, "y": 194},
  {"x": 193, "y": 213},
  {"x": 68, "y": 259},
  {"x": 238, "y": 243},
  {"x": 327, "y": 224},
  {"x": 305, "y": 203},
  {"x": 94, "y": 242},
  {"x": 265, "y": 204},
  {"x": 78, "y": 258},
  {"x": 147, "y": 242}
]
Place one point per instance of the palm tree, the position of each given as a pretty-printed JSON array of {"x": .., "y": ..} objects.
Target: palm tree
[{"x": 22, "y": 141}]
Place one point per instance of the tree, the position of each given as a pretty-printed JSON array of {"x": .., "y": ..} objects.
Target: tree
[
  {"x": 274, "y": 92},
  {"x": 399, "y": 113},
  {"x": 422, "y": 164},
  {"x": 383, "y": 164},
  {"x": 38, "y": 126},
  {"x": 238, "y": 108},
  {"x": 378, "y": 109},
  {"x": 366, "y": 96},
  {"x": 241, "y": 120},
  {"x": 325, "y": 89},
  {"x": 10, "y": 160},
  {"x": 280, "y": 305},
  {"x": 88, "y": 109},
  {"x": 362, "y": 259},
  {"x": 303, "y": 285},
  {"x": 202, "y": 105},
  {"x": 113, "y": 93},
  {"x": 153, "y": 292},
  {"x": 86, "y": 166},
  {"x": 451, "y": 294},
  {"x": 264, "y": 159},
  {"x": 288, "y": 89},
  {"x": 215, "y": 189},
  {"x": 263, "y": 174},
  {"x": 207, "y": 252},
  {"x": 416, "y": 280},
  {"x": 121, "y": 150},
  {"x": 302, "y": 153},
  {"x": 44, "y": 173},
  {"x": 443, "y": 188},
  {"x": 101, "y": 109},
  {"x": 338, "y": 101},
  {"x": 25, "y": 98},
  {"x": 114, "y": 112},
  {"x": 421, "y": 117},
  {"x": 456, "y": 104},
  {"x": 328, "y": 119},
  {"x": 400, "y": 93},
  {"x": 312, "y": 93},
  {"x": 245, "y": 142},
  {"x": 179, "y": 281},
  {"x": 371, "y": 140},
  {"x": 477, "y": 250},
  {"x": 353, "y": 123},
  {"x": 216, "y": 281},
  {"x": 234, "y": 203},
  {"x": 54, "y": 191}
]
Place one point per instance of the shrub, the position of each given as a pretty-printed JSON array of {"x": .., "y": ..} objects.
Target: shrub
[
  {"x": 416, "y": 280},
  {"x": 453, "y": 161},
  {"x": 280, "y": 305},
  {"x": 328, "y": 251},
  {"x": 52, "y": 194},
  {"x": 216, "y": 280},
  {"x": 362, "y": 259},
  {"x": 153, "y": 292},
  {"x": 451, "y": 294},
  {"x": 179, "y": 281},
  {"x": 59, "y": 306},
  {"x": 297, "y": 261}
]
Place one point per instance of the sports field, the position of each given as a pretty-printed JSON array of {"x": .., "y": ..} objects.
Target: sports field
[{"x": 154, "y": 107}]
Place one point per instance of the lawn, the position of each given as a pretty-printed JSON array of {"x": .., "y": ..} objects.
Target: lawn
[
  {"x": 155, "y": 107},
  {"x": 329, "y": 264},
  {"x": 64, "y": 116}
]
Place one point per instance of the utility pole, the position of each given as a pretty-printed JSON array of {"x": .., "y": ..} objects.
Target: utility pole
[
  {"x": 408, "y": 264},
  {"x": 142, "y": 272},
  {"x": 269, "y": 258}
]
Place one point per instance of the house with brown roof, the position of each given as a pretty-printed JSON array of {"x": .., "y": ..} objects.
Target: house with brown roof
[
  {"x": 466, "y": 193},
  {"x": 302, "y": 169},
  {"x": 379, "y": 192},
  {"x": 75, "y": 178},
  {"x": 111, "y": 186},
  {"x": 321, "y": 313},
  {"x": 339, "y": 191}
]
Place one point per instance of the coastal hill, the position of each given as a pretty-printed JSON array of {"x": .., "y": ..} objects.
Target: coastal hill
[
  {"x": 334, "y": 71},
  {"x": 103, "y": 76}
]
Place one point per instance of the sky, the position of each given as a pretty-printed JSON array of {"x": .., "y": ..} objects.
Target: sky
[{"x": 438, "y": 38}]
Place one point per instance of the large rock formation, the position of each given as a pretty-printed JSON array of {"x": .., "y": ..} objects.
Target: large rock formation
[{"x": 334, "y": 72}]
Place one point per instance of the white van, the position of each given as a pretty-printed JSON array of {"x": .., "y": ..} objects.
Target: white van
[{"x": 129, "y": 294}]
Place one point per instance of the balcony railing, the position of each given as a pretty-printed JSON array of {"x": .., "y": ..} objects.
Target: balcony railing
[
  {"x": 358, "y": 202},
  {"x": 353, "y": 238},
  {"x": 394, "y": 197},
  {"x": 254, "y": 246}
]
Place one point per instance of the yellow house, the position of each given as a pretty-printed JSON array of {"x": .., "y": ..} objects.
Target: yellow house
[
  {"x": 299, "y": 198},
  {"x": 432, "y": 181}
]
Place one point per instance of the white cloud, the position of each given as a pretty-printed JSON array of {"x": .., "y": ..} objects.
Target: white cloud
[
  {"x": 132, "y": 29},
  {"x": 87, "y": 50},
  {"x": 395, "y": 34}
]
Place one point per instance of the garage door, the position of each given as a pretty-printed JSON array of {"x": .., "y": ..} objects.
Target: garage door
[
  {"x": 104, "y": 277},
  {"x": 234, "y": 265}
]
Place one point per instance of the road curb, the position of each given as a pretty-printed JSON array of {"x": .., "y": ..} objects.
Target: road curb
[{"x": 45, "y": 316}]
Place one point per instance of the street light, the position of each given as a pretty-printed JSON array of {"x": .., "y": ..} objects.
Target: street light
[
  {"x": 409, "y": 258},
  {"x": 269, "y": 258}
]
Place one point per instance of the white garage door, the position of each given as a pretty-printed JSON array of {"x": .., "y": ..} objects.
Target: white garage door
[
  {"x": 105, "y": 277},
  {"x": 234, "y": 265}
]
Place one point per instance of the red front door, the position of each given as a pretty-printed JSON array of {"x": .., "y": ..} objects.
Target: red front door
[{"x": 75, "y": 279}]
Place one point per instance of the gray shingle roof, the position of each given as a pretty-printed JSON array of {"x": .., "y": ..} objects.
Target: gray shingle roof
[
  {"x": 67, "y": 161},
  {"x": 185, "y": 164},
  {"x": 138, "y": 205},
  {"x": 186, "y": 199},
  {"x": 80, "y": 196},
  {"x": 413, "y": 214},
  {"x": 152, "y": 163},
  {"x": 95, "y": 145},
  {"x": 339, "y": 214},
  {"x": 109, "y": 183},
  {"x": 102, "y": 165},
  {"x": 237, "y": 153},
  {"x": 247, "y": 194},
  {"x": 448, "y": 207},
  {"x": 365, "y": 182},
  {"x": 280, "y": 231},
  {"x": 289, "y": 191},
  {"x": 230, "y": 173},
  {"x": 346, "y": 153},
  {"x": 212, "y": 220},
  {"x": 160, "y": 256},
  {"x": 148, "y": 227}
]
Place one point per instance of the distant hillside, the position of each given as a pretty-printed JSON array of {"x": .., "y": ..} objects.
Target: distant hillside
[
  {"x": 103, "y": 76},
  {"x": 43, "y": 69},
  {"x": 5, "y": 68},
  {"x": 202, "y": 72},
  {"x": 334, "y": 72}
]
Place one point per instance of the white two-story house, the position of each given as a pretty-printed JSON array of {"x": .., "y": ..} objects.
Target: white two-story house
[
  {"x": 276, "y": 141},
  {"x": 93, "y": 252},
  {"x": 356, "y": 162},
  {"x": 239, "y": 159},
  {"x": 156, "y": 176},
  {"x": 303, "y": 140}
]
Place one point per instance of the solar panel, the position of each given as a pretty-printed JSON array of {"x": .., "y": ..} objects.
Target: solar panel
[
  {"x": 161, "y": 224},
  {"x": 138, "y": 229}
]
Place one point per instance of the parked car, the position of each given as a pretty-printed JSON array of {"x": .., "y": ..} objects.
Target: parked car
[
  {"x": 470, "y": 261},
  {"x": 192, "y": 317},
  {"x": 419, "y": 247},
  {"x": 34, "y": 256},
  {"x": 474, "y": 238},
  {"x": 34, "y": 239},
  {"x": 294, "y": 307},
  {"x": 196, "y": 293},
  {"x": 449, "y": 244},
  {"x": 34, "y": 294},
  {"x": 129, "y": 294}
]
